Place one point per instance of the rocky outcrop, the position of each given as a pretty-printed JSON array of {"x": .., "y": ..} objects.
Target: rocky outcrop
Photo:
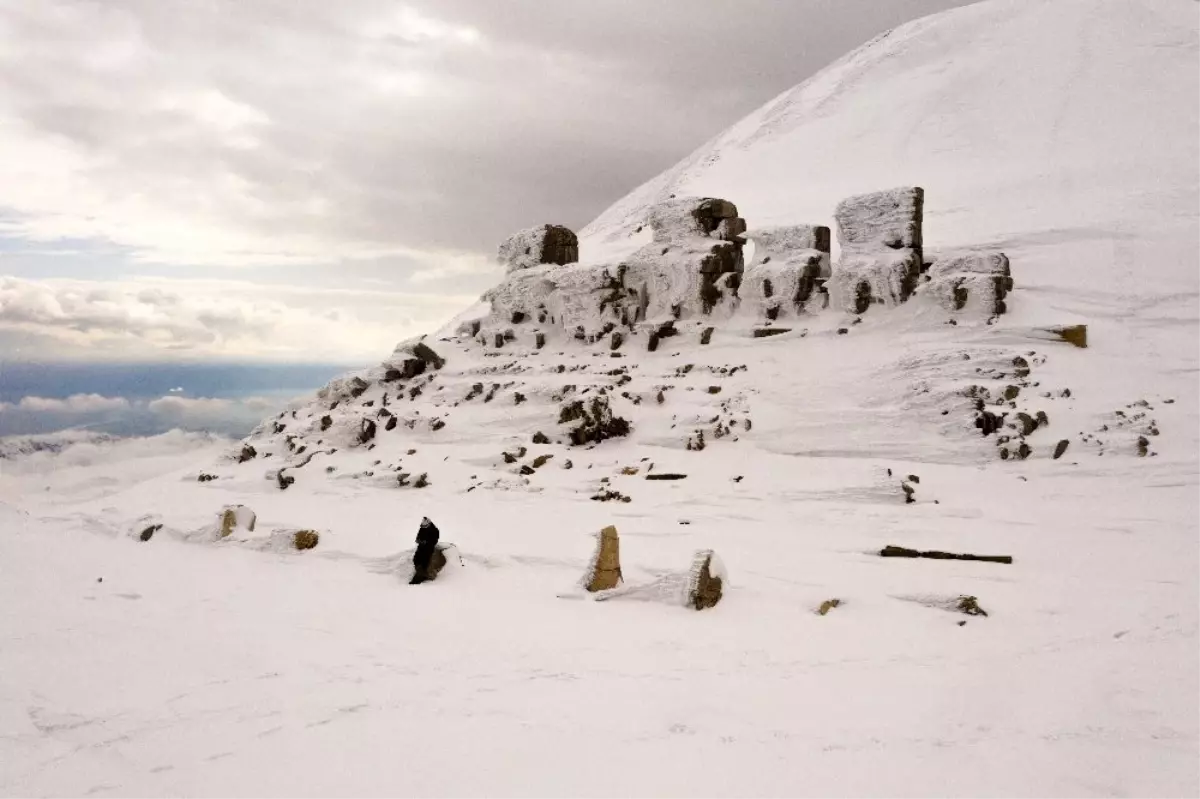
[
  {"x": 535, "y": 246},
  {"x": 411, "y": 358},
  {"x": 604, "y": 569},
  {"x": 881, "y": 241},
  {"x": 592, "y": 421}
]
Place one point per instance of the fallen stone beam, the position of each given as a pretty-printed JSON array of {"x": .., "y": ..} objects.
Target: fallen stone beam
[{"x": 901, "y": 552}]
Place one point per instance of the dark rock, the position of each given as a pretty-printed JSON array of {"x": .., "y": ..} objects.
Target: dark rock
[
  {"x": 1061, "y": 448},
  {"x": 367, "y": 431},
  {"x": 765, "y": 332},
  {"x": 540, "y": 438},
  {"x": 149, "y": 532},
  {"x": 666, "y": 476},
  {"x": 902, "y": 552},
  {"x": 706, "y": 335},
  {"x": 248, "y": 453},
  {"x": 970, "y": 606},
  {"x": 714, "y": 389},
  {"x": 326, "y": 422}
]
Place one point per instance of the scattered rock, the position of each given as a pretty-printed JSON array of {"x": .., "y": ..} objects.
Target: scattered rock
[
  {"x": 766, "y": 332},
  {"x": 248, "y": 453},
  {"x": 666, "y": 476},
  {"x": 706, "y": 335},
  {"x": 540, "y": 438},
  {"x": 902, "y": 552},
  {"x": 149, "y": 532},
  {"x": 206, "y": 478},
  {"x": 305, "y": 539},
  {"x": 1073, "y": 334},
  {"x": 828, "y": 605},
  {"x": 1061, "y": 448},
  {"x": 541, "y": 460},
  {"x": 970, "y": 606}
]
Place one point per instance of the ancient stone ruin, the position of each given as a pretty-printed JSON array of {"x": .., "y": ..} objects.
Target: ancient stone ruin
[
  {"x": 705, "y": 580},
  {"x": 604, "y": 569},
  {"x": 881, "y": 241},
  {"x": 789, "y": 272},
  {"x": 967, "y": 280},
  {"x": 546, "y": 244},
  {"x": 694, "y": 266}
]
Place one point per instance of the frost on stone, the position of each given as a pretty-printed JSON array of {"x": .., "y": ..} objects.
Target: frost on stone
[
  {"x": 970, "y": 281},
  {"x": 789, "y": 271},
  {"x": 881, "y": 241},
  {"x": 544, "y": 244}
]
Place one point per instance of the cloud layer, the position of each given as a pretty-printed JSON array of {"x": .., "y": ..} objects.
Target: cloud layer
[
  {"x": 350, "y": 141},
  {"x": 212, "y": 318},
  {"x": 40, "y": 415}
]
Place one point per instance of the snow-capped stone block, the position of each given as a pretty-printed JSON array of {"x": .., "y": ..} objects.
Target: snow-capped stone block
[
  {"x": 604, "y": 569},
  {"x": 975, "y": 282},
  {"x": 544, "y": 244},
  {"x": 688, "y": 217},
  {"x": 791, "y": 266},
  {"x": 890, "y": 219},
  {"x": 881, "y": 240},
  {"x": 705, "y": 580}
]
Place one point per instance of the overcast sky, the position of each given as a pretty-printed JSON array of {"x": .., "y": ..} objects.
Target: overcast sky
[{"x": 315, "y": 180}]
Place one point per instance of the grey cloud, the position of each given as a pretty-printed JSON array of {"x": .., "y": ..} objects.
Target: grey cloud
[{"x": 314, "y": 130}]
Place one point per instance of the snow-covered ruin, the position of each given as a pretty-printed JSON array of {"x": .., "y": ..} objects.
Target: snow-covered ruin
[{"x": 694, "y": 266}]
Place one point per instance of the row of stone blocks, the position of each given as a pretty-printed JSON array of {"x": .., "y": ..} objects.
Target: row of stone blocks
[{"x": 882, "y": 257}]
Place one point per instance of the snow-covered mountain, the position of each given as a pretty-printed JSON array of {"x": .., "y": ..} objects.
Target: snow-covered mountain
[{"x": 778, "y": 350}]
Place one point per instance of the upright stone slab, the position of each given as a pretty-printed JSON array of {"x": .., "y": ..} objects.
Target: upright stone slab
[
  {"x": 881, "y": 240},
  {"x": 545, "y": 244},
  {"x": 705, "y": 581},
  {"x": 604, "y": 570}
]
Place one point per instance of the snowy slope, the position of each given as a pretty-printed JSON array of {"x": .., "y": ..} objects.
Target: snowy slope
[{"x": 1063, "y": 134}]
